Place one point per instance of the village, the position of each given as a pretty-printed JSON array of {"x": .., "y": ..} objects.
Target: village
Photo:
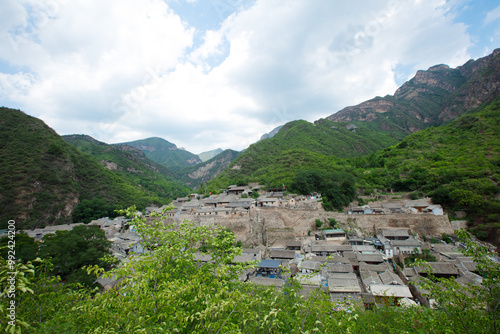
[{"x": 355, "y": 256}]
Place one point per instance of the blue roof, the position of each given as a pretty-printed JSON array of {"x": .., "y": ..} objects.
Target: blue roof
[{"x": 269, "y": 263}]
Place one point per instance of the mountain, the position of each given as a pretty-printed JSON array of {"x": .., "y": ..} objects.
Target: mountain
[
  {"x": 302, "y": 145},
  {"x": 132, "y": 164},
  {"x": 165, "y": 153},
  {"x": 430, "y": 98},
  {"x": 194, "y": 176},
  {"x": 271, "y": 134},
  {"x": 43, "y": 179},
  {"x": 457, "y": 165},
  {"x": 205, "y": 156}
]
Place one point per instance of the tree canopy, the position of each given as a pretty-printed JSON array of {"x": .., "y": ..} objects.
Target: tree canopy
[
  {"x": 71, "y": 250},
  {"x": 338, "y": 189}
]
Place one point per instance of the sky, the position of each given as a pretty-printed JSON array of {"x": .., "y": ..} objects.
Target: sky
[{"x": 205, "y": 74}]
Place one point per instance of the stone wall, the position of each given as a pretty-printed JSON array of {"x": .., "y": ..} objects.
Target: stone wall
[{"x": 275, "y": 226}]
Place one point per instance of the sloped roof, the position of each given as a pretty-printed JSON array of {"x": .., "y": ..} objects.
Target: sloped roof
[
  {"x": 340, "y": 268},
  {"x": 334, "y": 231},
  {"x": 388, "y": 277},
  {"x": 311, "y": 265},
  {"x": 417, "y": 204},
  {"x": 266, "y": 281},
  {"x": 269, "y": 264},
  {"x": 344, "y": 283},
  {"x": 282, "y": 254},
  {"x": 390, "y": 290},
  {"x": 469, "y": 265},
  {"x": 331, "y": 248},
  {"x": 294, "y": 243},
  {"x": 370, "y": 277},
  {"x": 392, "y": 205},
  {"x": 410, "y": 242},
  {"x": 337, "y": 259},
  {"x": 243, "y": 258},
  {"x": 395, "y": 233},
  {"x": 364, "y": 248},
  {"x": 439, "y": 268},
  {"x": 377, "y": 258},
  {"x": 380, "y": 268},
  {"x": 251, "y": 251},
  {"x": 410, "y": 272},
  {"x": 309, "y": 279}
]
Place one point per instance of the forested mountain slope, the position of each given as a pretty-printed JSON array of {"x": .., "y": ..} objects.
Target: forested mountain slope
[
  {"x": 165, "y": 153},
  {"x": 43, "y": 179},
  {"x": 195, "y": 176},
  {"x": 132, "y": 164},
  {"x": 302, "y": 145},
  {"x": 457, "y": 164}
]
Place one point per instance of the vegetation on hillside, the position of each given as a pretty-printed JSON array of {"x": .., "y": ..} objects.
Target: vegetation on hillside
[
  {"x": 165, "y": 153},
  {"x": 337, "y": 189},
  {"x": 131, "y": 164},
  {"x": 457, "y": 164},
  {"x": 71, "y": 250},
  {"x": 43, "y": 178},
  {"x": 301, "y": 145},
  {"x": 197, "y": 175}
]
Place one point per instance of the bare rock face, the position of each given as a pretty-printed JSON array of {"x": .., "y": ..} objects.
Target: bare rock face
[
  {"x": 482, "y": 86},
  {"x": 202, "y": 171},
  {"x": 431, "y": 97},
  {"x": 213, "y": 168},
  {"x": 366, "y": 111},
  {"x": 193, "y": 161},
  {"x": 110, "y": 165}
]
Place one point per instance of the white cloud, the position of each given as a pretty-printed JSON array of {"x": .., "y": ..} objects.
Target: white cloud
[
  {"x": 492, "y": 15},
  {"x": 92, "y": 52},
  {"x": 122, "y": 70}
]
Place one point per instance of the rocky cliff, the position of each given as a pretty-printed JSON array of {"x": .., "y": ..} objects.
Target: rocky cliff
[{"x": 431, "y": 97}]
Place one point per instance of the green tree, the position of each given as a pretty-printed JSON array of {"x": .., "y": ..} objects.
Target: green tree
[
  {"x": 26, "y": 247},
  {"x": 337, "y": 189},
  {"x": 473, "y": 308},
  {"x": 308, "y": 181},
  {"x": 88, "y": 210},
  {"x": 169, "y": 291},
  {"x": 71, "y": 250},
  {"x": 465, "y": 198},
  {"x": 14, "y": 283}
]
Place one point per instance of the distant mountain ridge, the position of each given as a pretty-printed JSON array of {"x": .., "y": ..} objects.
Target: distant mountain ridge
[
  {"x": 272, "y": 133},
  {"x": 131, "y": 163},
  {"x": 430, "y": 98},
  {"x": 196, "y": 175},
  {"x": 165, "y": 153},
  {"x": 92, "y": 146},
  {"x": 205, "y": 156}
]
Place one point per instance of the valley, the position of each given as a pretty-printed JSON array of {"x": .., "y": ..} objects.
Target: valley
[{"x": 436, "y": 137}]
